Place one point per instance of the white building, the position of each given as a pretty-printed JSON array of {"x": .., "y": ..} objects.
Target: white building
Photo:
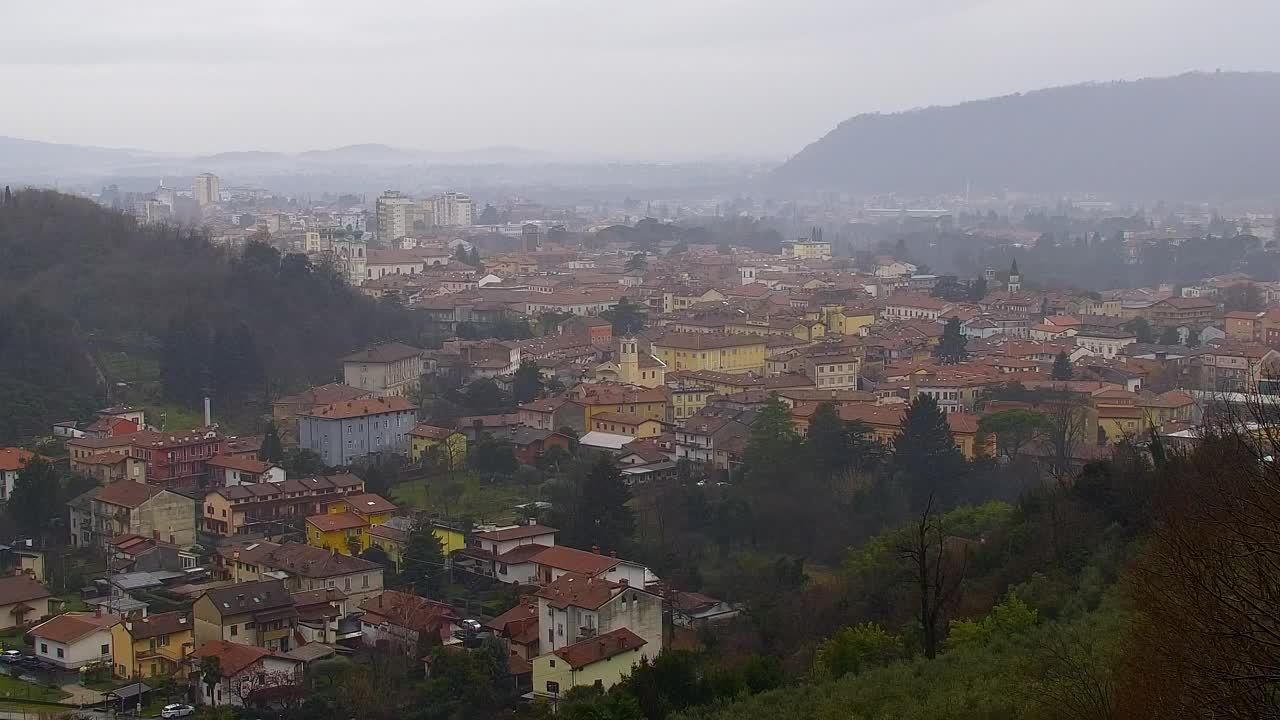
[
  {"x": 75, "y": 639},
  {"x": 453, "y": 210},
  {"x": 206, "y": 189},
  {"x": 395, "y": 215}
]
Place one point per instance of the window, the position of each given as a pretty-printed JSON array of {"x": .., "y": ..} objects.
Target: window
[
  {"x": 346, "y": 582},
  {"x": 44, "y": 648},
  {"x": 105, "y": 649},
  {"x": 235, "y": 630},
  {"x": 560, "y": 629},
  {"x": 551, "y": 635},
  {"x": 553, "y": 663},
  {"x": 60, "y": 652},
  {"x": 250, "y": 625},
  {"x": 364, "y": 581}
]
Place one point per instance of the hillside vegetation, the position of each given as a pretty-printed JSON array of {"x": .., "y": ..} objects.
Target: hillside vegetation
[
  {"x": 88, "y": 299},
  {"x": 1192, "y": 136}
]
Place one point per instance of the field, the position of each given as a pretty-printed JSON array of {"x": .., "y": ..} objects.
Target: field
[
  {"x": 465, "y": 497},
  {"x": 19, "y": 690}
]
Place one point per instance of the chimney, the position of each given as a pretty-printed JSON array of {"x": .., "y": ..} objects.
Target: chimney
[
  {"x": 595, "y": 549},
  {"x": 208, "y": 413}
]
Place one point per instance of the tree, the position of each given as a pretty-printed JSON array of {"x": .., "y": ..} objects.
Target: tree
[
  {"x": 939, "y": 564},
  {"x": 423, "y": 564},
  {"x": 636, "y": 262},
  {"x": 925, "y": 457},
  {"x": 977, "y": 289},
  {"x": 488, "y": 216},
  {"x": 527, "y": 384},
  {"x": 1062, "y": 366},
  {"x": 473, "y": 258},
  {"x": 853, "y": 649},
  {"x": 837, "y": 446},
  {"x": 1014, "y": 429},
  {"x": 300, "y": 462},
  {"x": 272, "y": 449},
  {"x": 627, "y": 318},
  {"x": 949, "y": 288},
  {"x": 602, "y": 516},
  {"x": 1141, "y": 329},
  {"x": 37, "y": 498},
  {"x": 1170, "y": 336},
  {"x": 492, "y": 457},
  {"x": 211, "y": 675},
  {"x": 951, "y": 347}
]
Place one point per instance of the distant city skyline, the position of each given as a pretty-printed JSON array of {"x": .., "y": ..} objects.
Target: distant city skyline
[{"x": 580, "y": 80}]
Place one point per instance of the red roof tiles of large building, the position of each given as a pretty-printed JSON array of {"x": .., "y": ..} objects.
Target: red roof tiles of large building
[
  {"x": 333, "y": 522},
  {"x": 384, "y": 353},
  {"x": 127, "y": 493},
  {"x": 519, "y": 532},
  {"x": 248, "y": 465},
  {"x": 14, "y": 458},
  {"x": 573, "y": 560},
  {"x": 363, "y": 407},
  {"x": 233, "y": 658},
  {"x": 21, "y": 588}
]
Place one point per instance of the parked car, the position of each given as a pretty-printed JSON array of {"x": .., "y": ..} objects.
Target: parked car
[
  {"x": 177, "y": 711},
  {"x": 10, "y": 655}
]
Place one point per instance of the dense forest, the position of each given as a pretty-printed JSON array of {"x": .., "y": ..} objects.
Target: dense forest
[
  {"x": 1191, "y": 136},
  {"x": 90, "y": 299}
]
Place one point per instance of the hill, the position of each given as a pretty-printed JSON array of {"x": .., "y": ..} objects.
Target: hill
[
  {"x": 1192, "y": 136},
  {"x": 89, "y": 299}
]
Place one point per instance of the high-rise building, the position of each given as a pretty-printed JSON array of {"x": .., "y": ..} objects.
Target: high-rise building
[
  {"x": 206, "y": 189},
  {"x": 453, "y": 210},
  {"x": 395, "y": 212},
  {"x": 530, "y": 238}
]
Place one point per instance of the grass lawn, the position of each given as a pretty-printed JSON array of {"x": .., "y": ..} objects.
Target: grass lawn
[
  {"x": 34, "y": 711},
  {"x": 474, "y": 499},
  {"x": 73, "y": 602},
  {"x": 19, "y": 690}
]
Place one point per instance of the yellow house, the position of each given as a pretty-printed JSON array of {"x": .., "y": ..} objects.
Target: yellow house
[
  {"x": 847, "y": 321},
  {"x": 603, "y": 397},
  {"x": 602, "y": 661},
  {"x": 711, "y": 351},
  {"x": 393, "y": 538},
  {"x": 621, "y": 423},
  {"x": 449, "y": 445},
  {"x": 673, "y": 300},
  {"x": 150, "y": 646},
  {"x": 632, "y": 367},
  {"x": 345, "y": 527}
]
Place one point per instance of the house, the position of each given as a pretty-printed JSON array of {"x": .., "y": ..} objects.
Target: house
[
  {"x": 177, "y": 459},
  {"x": 905, "y": 306},
  {"x": 506, "y": 553},
  {"x": 389, "y": 369},
  {"x": 134, "y": 553},
  {"x": 108, "y": 467},
  {"x": 392, "y": 537},
  {"x": 285, "y": 410},
  {"x": 596, "y": 330},
  {"x": 24, "y": 599},
  {"x": 402, "y": 622},
  {"x": 75, "y": 639},
  {"x": 519, "y": 627},
  {"x": 135, "y": 415},
  {"x": 1237, "y": 368},
  {"x": 601, "y": 661},
  {"x": 738, "y": 353},
  {"x": 129, "y": 507},
  {"x": 1193, "y": 313},
  {"x": 249, "y": 674},
  {"x": 1107, "y": 343},
  {"x": 709, "y": 440},
  {"x": 228, "y": 470},
  {"x": 300, "y": 567},
  {"x": 258, "y": 613},
  {"x": 344, "y": 527},
  {"x": 12, "y": 460},
  {"x": 622, "y": 423},
  {"x": 602, "y": 397},
  {"x": 444, "y": 446},
  {"x": 553, "y": 562},
  {"x": 264, "y": 508},
  {"x": 552, "y": 413},
  {"x": 695, "y": 610},
  {"x": 143, "y": 647},
  {"x": 343, "y": 433},
  {"x": 529, "y": 444},
  {"x": 577, "y": 606},
  {"x": 324, "y": 616},
  {"x": 109, "y": 426}
]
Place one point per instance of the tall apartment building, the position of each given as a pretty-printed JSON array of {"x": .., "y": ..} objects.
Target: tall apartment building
[
  {"x": 206, "y": 188},
  {"x": 453, "y": 210},
  {"x": 395, "y": 212}
]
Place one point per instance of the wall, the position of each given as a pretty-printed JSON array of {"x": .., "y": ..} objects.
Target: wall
[{"x": 551, "y": 668}]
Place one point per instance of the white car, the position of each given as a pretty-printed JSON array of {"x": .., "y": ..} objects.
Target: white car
[
  {"x": 177, "y": 711},
  {"x": 10, "y": 655}
]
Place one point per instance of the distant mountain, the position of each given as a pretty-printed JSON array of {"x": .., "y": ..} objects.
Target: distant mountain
[{"x": 1197, "y": 135}]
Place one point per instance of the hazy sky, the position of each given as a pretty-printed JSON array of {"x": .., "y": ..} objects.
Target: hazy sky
[{"x": 656, "y": 79}]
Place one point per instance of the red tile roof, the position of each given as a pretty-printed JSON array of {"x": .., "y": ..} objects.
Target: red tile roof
[
  {"x": 69, "y": 627},
  {"x": 14, "y": 458},
  {"x": 361, "y": 408},
  {"x": 573, "y": 560},
  {"x": 232, "y": 657},
  {"x": 431, "y": 431},
  {"x": 127, "y": 493},
  {"x": 369, "y": 503},
  {"x": 21, "y": 588},
  {"x": 518, "y": 532},
  {"x": 336, "y": 521},
  {"x": 603, "y": 647},
  {"x": 248, "y": 465}
]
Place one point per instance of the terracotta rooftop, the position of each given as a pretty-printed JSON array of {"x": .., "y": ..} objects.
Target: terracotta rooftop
[
  {"x": 232, "y": 657},
  {"x": 249, "y": 465},
  {"x": 69, "y": 627},
  {"x": 160, "y": 624},
  {"x": 431, "y": 431},
  {"x": 333, "y": 522},
  {"x": 518, "y": 532},
  {"x": 573, "y": 560},
  {"x": 127, "y": 493},
  {"x": 14, "y": 458},
  {"x": 602, "y": 647},
  {"x": 21, "y": 588},
  {"x": 363, "y": 407}
]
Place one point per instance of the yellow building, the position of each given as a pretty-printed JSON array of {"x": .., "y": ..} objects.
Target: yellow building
[
  {"x": 632, "y": 367},
  {"x": 621, "y": 423},
  {"x": 602, "y": 661},
  {"x": 847, "y": 321},
  {"x": 806, "y": 249},
  {"x": 711, "y": 351},
  {"x": 151, "y": 646},
  {"x": 449, "y": 446},
  {"x": 673, "y": 300},
  {"x": 596, "y": 398},
  {"x": 345, "y": 527},
  {"x": 393, "y": 538}
]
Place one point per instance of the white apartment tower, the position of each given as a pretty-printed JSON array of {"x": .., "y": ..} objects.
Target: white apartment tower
[
  {"x": 206, "y": 189},
  {"x": 453, "y": 210},
  {"x": 395, "y": 215}
]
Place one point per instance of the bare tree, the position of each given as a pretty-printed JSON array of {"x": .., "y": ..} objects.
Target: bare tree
[{"x": 939, "y": 561}]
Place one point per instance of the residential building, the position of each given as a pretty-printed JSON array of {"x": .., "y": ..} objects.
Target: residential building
[
  {"x": 265, "y": 508},
  {"x": 1191, "y": 313},
  {"x": 394, "y": 211},
  {"x": 711, "y": 351},
  {"x": 285, "y": 410},
  {"x": 258, "y": 613},
  {"x": 806, "y": 249},
  {"x": 444, "y": 447},
  {"x": 206, "y": 189},
  {"x": 75, "y": 639},
  {"x": 229, "y": 470},
  {"x": 578, "y": 606},
  {"x": 627, "y": 424},
  {"x": 401, "y": 621},
  {"x": 159, "y": 644},
  {"x": 382, "y": 370},
  {"x": 344, "y": 527},
  {"x": 343, "y": 433},
  {"x": 505, "y": 553},
  {"x": 23, "y": 599},
  {"x": 596, "y": 398},
  {"x": 108, "y": 467},
  {"x": 906, "y": 306},
  {"x": 300, "y": 567},
  {"x": 246, "y": 672},
  {"x": 324, "y": 617},
  {"x": 710, "y": 440},
  {"x": 452, "y": 209},
  {"x": 552, "y": 413},
  {"x": 1107, "y": 343},
  {"x": 12, "y": 460},
  {"x": 1237, "y": 368},
  {"x": 177, "y": 460},
  {"x": 601, "y": 662},
  {"x": 555, "y": 561},
  {"x": 125, "y": 506}
]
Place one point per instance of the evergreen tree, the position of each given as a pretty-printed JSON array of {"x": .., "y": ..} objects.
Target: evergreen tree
[
  {"x": 772, "y": 447},
  {"x": 423, "y": 564},
  {"x": 272, "y": 449},
  {"x": 37, "y": 497},
  {"x": 978, "y": 289},
  {"x": 602, "y": 517},
  {"x": 1170, "y": 336},
  {"x": 837, "y": 446},
  {"x": 925, "y": 458},
  {"x": 527, "y": 384},
  {"x": 1062, "y": 367},
  {"x": 473, "y": 258},
  {"x": 951, "y": 348},
  {"x": 627, "y": 318}
]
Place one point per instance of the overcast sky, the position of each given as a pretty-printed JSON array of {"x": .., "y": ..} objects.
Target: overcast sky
[{"x": 656, "y": 79}]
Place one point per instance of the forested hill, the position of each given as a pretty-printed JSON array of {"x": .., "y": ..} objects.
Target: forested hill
[
  {"x": 1192, "y": 136},
  {"x": 88, "y": 297}
]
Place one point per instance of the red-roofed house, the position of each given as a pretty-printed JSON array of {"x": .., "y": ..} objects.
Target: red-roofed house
[
  {"x": 601, "y": 661},
  {"x": 228, "y": 470},
  {"x": 250, "y": 675},
  {"x": 12, "y": 460}
]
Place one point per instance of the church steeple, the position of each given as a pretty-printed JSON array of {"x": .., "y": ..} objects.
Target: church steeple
[{"x": 1015, "y": 280}]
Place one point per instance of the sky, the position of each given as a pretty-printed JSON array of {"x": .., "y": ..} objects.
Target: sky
[{"x": 602, "y": 79}]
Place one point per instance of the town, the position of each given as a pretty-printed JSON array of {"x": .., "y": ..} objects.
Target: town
[{"x": 595, "y": 455}]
